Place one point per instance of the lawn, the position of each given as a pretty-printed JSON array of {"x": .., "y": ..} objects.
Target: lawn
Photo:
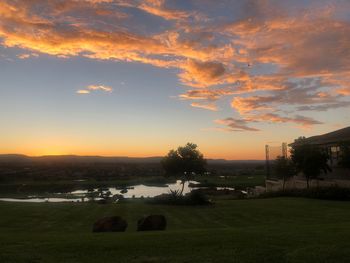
[
  {"x": 238, "y": 182},
  {"x": 260, "y": 230}
]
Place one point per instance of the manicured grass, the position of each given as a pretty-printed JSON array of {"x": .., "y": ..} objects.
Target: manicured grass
[
  {"x": 261, "y": 230},
  {"x": 238, "y": 182}
]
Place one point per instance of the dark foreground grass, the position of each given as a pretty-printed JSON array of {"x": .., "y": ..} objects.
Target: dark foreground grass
[{"x": 263, "y": 230}]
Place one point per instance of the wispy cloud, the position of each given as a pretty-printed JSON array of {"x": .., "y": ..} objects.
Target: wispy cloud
[
  {"x": 233, "y": 125},
  {"x": 27, "y": 55},
  {"x": 83, "y": 91},
  {"x": 91, "y": 88},
  {"x": 100, "y": 87},
  {"x": 210, "y": 106}
]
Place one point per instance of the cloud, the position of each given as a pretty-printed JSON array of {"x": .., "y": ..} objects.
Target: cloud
[
  {"x": 91, "y": 88},
  {"x": 265, "y": 57},
  {"x": 197, "y": 73},
  {"x": 244, "y": 105},
  {"x": 27, "y": 55},
  {"x": 235, "y": 125},
  {"x": 83, "y": 91},
  {"x": 100, "y": 87},
  {"x": 306, "y": 94},
  {"x": 325, "y": 107},
  {"x": 303, "y": 121},
  {"x": 206, "y": 94},
  {"x": 210, "y": 106},
  {"x": 158, "y": 8},
  {"x": 344, "y": 91}
]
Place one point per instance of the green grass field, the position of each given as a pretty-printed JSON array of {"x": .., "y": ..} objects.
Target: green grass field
[{"x": 260, "y": 230}]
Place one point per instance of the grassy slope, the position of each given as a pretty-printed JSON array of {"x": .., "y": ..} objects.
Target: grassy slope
[{"x": 265, "y": 230}]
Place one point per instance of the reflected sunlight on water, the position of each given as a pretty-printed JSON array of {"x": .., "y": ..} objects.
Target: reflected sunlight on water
[{"x": 135, "y": 191}]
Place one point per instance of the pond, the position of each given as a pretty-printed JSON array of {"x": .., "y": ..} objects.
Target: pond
[{"x": 135, "y": 191}]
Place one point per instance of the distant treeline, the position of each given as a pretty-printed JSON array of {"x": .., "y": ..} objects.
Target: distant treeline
[{"x": 17, "y": 167}]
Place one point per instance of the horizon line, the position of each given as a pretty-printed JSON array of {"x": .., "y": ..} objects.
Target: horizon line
[{"x": 114, "y": 156}]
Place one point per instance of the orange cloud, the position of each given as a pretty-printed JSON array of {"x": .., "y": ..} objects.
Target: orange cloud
[
  {"x": 344, "y": 91},
  {"x": 235, "y": 125},
  {"x": 158, "y": 8},
  {"x": 83, "y": 91},
  {"x": 210, "y": 106},
  {"x": 207, "y": 94},
  {"x": 243, "y": 105},
  {"x": 275, "y": 118},
  {"x": 100, "y": 87},
  {"x": 270, "y": 56},
  {"x": 197, "y": 73},
  {"x": 90, "y": 88}
]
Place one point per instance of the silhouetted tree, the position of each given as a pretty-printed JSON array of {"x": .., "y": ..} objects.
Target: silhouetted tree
[
  {"x": 184, "y": 161},
  {"x": 345, "y": 155},
  {"x": 309, "y": 159},
  {"x": 284, "y": 168}
]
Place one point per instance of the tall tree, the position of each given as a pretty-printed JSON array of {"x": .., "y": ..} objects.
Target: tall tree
[
  {"x": 309, "y": 159},
  {"x": 184, "y": 161}
]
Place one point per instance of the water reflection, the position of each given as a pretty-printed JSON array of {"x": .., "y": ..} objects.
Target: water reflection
[
  {"x": 136, "y": 191},
  {"x": 41, "y": 200}
]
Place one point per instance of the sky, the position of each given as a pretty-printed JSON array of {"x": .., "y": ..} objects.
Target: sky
[{"x": 138, "y": 78}]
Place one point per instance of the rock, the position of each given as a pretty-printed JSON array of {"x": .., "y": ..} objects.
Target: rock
[
  {"x": 110, "y": 224},
  {"x": 151, "y": 222}
]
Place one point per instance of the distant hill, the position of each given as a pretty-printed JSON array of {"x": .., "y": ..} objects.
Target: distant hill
[
  {"x": 20, "y": 158},
  {"x": 76, "y": 158}
]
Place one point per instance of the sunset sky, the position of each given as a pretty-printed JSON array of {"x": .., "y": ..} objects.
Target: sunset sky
[{"x": 137, "y": 78}]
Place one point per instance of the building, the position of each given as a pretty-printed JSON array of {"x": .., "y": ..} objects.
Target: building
[{"x": 333, "y": 143}]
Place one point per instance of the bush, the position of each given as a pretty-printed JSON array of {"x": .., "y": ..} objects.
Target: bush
[
  {"x": 195, "y": 197},
  {"x": 325, "y": 193}
]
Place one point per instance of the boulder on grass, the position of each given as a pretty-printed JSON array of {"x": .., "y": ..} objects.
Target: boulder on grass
[
  {"x": 110, "y": 224},
  {"x": 151, "y": 223}
]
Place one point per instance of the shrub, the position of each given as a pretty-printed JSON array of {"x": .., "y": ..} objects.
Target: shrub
[
  {"x": 176, "y": 198},
  {"x": 325, "y": 193},
  {"x": 197, "y": 197}
]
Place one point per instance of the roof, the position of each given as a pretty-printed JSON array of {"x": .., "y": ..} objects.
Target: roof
[{"x": 342, "y": 135}]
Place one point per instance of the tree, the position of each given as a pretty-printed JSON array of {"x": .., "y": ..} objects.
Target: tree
[
  {"x": 309, "y": 159},
  {"x": 184, "y": 161},
  {"x": 284, "y": 168},
  {"x": 345, "y": 155}
]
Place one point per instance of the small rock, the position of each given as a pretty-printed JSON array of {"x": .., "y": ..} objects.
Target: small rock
[
  {"x": 151, "y": 223},
  {"x": 110, "y": 224}
]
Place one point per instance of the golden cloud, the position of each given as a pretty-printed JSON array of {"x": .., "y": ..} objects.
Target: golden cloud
[
  {"x": 83, "y": 91},
  {"x": 344, "y": 91},
  {"x": 100, "y": 87},
  {"x": 210, "y": 106},
  {"x": 269, "y": 56},
  {"x": 90, "y": 88}
]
